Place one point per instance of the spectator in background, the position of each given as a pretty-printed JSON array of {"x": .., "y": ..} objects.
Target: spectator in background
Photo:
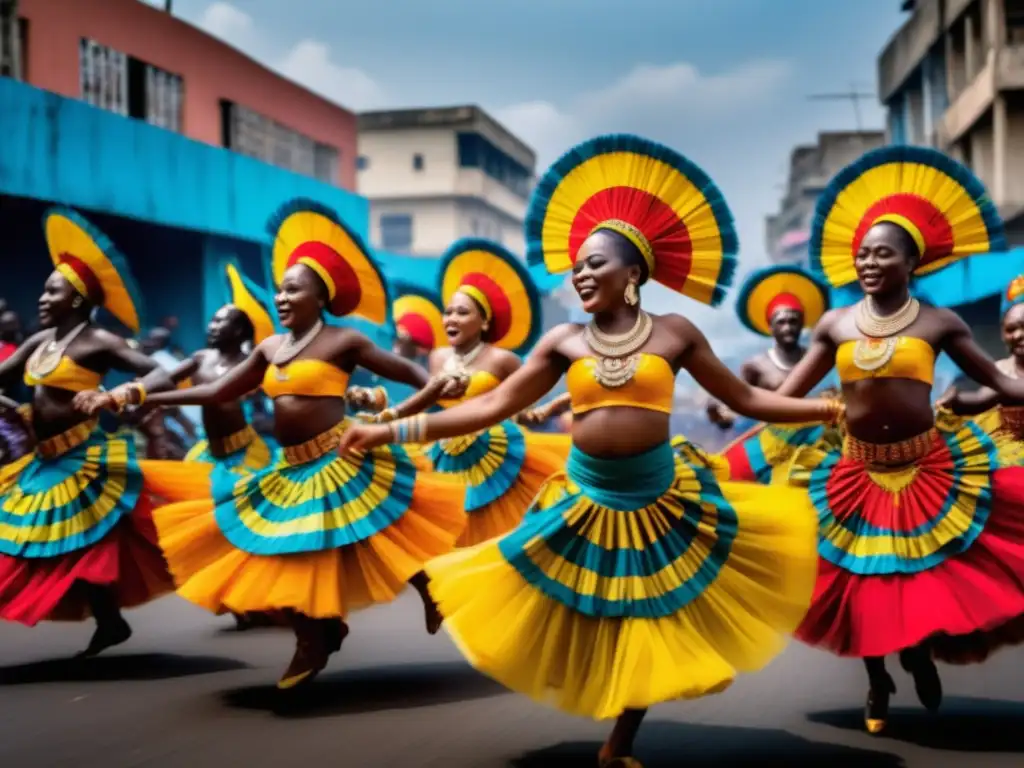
[
  {"x": 11, "y": 335},
  {"x": 180, "y": 424}
]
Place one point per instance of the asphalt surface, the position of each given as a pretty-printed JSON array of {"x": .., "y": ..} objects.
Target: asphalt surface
[{"x": 188, "y": 691}]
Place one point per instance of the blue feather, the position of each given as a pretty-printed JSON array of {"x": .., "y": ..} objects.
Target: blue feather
[
  {"x": 113, "y": 254},
  {"x": 307, "y": 205},
  {"x": 904, "y": 154},
  {"x": 499, "y": 251},
  {"x": 759, "y": 276},
  {"x": 622, "y": 142}
]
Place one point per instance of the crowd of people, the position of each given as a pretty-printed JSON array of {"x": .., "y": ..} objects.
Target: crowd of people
[{"x": 603, "y": 571}]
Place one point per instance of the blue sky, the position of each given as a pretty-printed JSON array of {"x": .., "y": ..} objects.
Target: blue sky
[{"x": 723, "y": 81}]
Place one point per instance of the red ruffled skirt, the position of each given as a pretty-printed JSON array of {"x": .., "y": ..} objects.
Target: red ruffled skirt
[
  {"x": 932, "y": 552},
  {"x": 85, "y": 514}
]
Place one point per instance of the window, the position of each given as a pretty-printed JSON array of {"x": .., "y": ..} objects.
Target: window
[
  {"x": 13, "y": 47},
  {"x": 396, "y": 232},
  {"x": 254, "y": 135},
  {"x": 417, "y": 162},
  {"x": 477, "y": 152},
  {"x": 127, "y": 86},
  {"x": 362, "y": 163}
]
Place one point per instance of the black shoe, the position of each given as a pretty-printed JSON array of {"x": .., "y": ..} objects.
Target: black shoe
[
  {"x": 876, "y": 710},
  {"x": 919, "y": 663}
]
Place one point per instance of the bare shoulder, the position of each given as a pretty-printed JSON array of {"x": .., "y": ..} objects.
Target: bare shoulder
[
  {"x": 949, "y": 319},
  {"x": 104, "y": 337},
  {"x": 560, "y": 333},
  {"x": 505, "y": 360},
  {"x": 677, "y": 325}
]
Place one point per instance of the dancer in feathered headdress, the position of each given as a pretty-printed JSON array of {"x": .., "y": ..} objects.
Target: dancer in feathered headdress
[
  {"x": 77, "y": 536},
  {"x": 314, "y": 535},
  {"x": 492, "y": 314},
  {"x": 636, "y": 577},
  {"x": 922, "y": 531},
  {"x": 780, "y": 303}
]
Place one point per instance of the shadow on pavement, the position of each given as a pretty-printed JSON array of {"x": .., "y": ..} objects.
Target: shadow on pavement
[
  {"x": 403, "y": 686},
  {"x": 664, "y": 744},
  {"x": 670, "y": 744},
  {"x": 141, "y": 666},
  {"x": 962, "y": 725}
]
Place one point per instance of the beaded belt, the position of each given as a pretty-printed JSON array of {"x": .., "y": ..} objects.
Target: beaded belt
[
  {"x": 889, "y": 454},
  {"x": 221, "y": 447},
  {"x": 66, "y": 441},
  {"x": 314, "y": 448}
]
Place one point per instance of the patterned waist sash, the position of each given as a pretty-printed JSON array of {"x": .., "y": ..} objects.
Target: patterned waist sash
[
  {"x": 1013, "y": 418},
  {"x": 890, "y": 455},
  {"x": 625, "y": 483},
  {"x": 66, "y": 441},
  {"x": 315, "y": 447},
  {"x": 222, "y": 447}
]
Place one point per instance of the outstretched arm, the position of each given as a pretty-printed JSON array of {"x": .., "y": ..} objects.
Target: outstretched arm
[
  {"x": 816, "y": 362},
  {"x": 388, "y": 365},
  {"x": 234, "y": 385},
  {"x": 961, "y": 347},
  {"x": 971, "y": 403},
  {"x": 533, "y": 380},
  {"x": 739, "y": 396}
]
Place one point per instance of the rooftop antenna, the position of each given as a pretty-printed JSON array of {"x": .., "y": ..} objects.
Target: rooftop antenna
[{"x": 853, "y": 96}]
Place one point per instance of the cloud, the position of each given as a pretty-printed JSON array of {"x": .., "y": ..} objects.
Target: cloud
[
  {"x": 652, "y": 100},
  {"x": 308, "y": 62}
]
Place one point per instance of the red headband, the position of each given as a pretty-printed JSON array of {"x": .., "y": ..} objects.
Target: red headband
[
  {"x": 783, "y": 301},
  {"x": 419, "y": 330},
  {"x": 87, "y": 279}
]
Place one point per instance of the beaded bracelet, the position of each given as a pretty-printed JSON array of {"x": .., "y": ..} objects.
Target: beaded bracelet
[{"x": 412, "y": 429}]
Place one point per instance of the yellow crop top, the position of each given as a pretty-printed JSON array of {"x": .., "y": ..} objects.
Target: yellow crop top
[
  {"x": 68, "y": 375},
  {"x": 910, "y": 358},
  {"x": 651, "y": 387},
  {"x": 480, "y": 383},
  {"x": 312, "y": 378}
]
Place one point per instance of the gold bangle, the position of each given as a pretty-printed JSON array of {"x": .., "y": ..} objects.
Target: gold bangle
[
  {"x": 385, "y": 416},
  {"x": 380, "y": 398},
  {"x": 140, "y": 389}
]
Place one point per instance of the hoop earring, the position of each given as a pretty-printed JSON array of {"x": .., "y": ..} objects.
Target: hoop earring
[
  {"x": 76, "y": 302},
  {"x": 632, "y": 295}
]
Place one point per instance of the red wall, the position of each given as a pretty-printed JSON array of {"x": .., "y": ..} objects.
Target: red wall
[{"x": 211, "y": 70}]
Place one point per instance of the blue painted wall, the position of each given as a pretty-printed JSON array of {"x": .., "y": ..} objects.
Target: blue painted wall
[{"x": 66, "y": 151}]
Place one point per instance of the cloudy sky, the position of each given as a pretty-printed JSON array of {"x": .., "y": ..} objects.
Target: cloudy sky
[{"x": 723, "y": 81}]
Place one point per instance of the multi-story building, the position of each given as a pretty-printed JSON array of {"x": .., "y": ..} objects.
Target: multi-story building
[
  {"x": 952, "y": 77},
  {"x": 176, "y": 145},
  {"x": 434, "y": 175},
  {"x": 138, "y": 61},
  {"x": 810, "y": 168}
]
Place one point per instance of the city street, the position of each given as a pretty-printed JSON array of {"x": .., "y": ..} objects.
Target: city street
[{"x": 187, "y": 690}]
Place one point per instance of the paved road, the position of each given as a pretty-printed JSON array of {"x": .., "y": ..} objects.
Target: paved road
[{"x": 186, "y": 691}]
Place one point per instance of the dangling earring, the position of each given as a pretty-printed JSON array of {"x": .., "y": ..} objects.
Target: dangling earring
[
  {"x": 76, "y": 302},
  {"x": 485, "y": 327},
  {"x": 632, "y": 294}
]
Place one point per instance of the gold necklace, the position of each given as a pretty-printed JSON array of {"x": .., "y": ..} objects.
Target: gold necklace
[
  {"x": 876, "y": 350},
  {"x": 47, "y": 355},
  {"x": 871, "y": 324},
  {"x": 291, "y": 347},
  {"x": 457, "y": 366},
  {"x": 616, "y": 355}
]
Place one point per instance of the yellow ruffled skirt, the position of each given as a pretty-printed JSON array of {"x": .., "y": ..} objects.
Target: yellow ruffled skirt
[
  {"x": 632, "y": 582},
  {"x": 502, "y": 469},
  {"x": 316, "y": 533}
]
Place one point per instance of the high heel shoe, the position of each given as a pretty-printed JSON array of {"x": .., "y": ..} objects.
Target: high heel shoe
[{"x": 876, "y": 709}]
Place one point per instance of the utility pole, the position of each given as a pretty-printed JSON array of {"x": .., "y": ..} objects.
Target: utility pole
[
  {"x": 10, "y": 42},
  {"x": 853, "y": 96}
]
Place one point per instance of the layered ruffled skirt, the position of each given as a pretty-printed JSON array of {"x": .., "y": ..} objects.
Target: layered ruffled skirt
[
  {"x": 502, "y": 470},
  {"x": 79, "y": 508},
  {"x": 243, "y": 452},
  {"x": 630, "y": 582},
  {"x": 762, "y": 453},
  {"x": 931, "y": 550},
  {"x": 315, "y": 533}
]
